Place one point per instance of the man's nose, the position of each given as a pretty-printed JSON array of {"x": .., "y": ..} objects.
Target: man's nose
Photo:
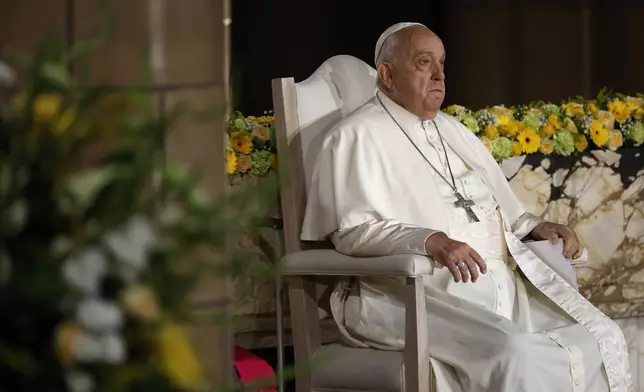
[{"x": 438, "y": 73}]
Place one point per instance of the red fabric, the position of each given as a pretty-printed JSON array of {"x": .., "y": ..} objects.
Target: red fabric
[{"x": 251, "y": 368}]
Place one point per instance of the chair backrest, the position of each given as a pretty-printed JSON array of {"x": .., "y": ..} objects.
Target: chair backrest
[{"x": 304, "y": 113}]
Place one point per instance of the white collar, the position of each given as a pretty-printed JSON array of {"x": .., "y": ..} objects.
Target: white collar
[{"x": 400, "y": 114}]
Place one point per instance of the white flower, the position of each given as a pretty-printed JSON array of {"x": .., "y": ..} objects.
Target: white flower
[
  {"x": 7, "y": 75},
  {"x": 107, "y": 348},
  {"x": 78, "y": 381},
  {"x": 85, "y": 271},
  {"x": 99, "y": 316},
  {"x": 131, "y": 246},
  {"x": 16, "y": 215},
  {"x": 115, "y": 352}
]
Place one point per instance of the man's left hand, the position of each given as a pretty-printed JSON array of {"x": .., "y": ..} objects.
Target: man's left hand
[{"x": 572, "y": 247}]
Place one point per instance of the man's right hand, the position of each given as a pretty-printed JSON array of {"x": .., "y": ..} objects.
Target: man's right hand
[{"x": 449, "y": 253}]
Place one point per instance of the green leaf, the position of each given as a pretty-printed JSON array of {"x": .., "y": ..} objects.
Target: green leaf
[{"x": 56, "y": 74}]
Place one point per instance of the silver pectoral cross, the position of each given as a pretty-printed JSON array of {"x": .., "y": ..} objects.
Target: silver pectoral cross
[{"x": 466, "y": 204}]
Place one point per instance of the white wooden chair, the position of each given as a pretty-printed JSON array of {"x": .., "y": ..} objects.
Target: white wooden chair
[{"x": 304, "y": 113}]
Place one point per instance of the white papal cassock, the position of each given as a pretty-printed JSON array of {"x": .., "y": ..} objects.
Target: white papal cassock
[{"x": 520, "y": 327}]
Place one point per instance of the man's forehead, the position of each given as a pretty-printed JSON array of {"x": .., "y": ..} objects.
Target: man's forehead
[{"x": 426, "y": 42}]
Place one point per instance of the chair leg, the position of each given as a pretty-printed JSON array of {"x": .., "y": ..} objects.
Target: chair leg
[{"x": 416, "y": 355}]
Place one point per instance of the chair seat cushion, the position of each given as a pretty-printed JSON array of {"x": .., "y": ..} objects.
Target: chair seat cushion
[{"x": 338, "y": 367}]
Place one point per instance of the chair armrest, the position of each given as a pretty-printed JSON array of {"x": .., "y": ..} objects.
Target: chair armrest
[{"x": 327, "y": 262}]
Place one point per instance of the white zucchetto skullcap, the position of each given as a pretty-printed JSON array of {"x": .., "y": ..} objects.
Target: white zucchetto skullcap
[{"x": 388, "y": 33}]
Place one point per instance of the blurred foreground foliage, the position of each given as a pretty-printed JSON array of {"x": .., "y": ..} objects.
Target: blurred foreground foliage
[{"x": 102, "y": 238}]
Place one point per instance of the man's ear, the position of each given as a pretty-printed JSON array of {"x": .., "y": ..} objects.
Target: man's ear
[{"x": 384, "y": 75}]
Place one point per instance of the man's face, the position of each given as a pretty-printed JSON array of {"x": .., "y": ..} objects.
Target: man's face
[{"x": 416, "y": 79}]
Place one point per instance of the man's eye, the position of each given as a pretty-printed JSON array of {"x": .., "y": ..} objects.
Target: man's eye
[{"x": 425, "y": 61}]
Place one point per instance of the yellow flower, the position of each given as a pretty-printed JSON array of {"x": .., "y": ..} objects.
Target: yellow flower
[
  {"x": 606, "y": 118},
  {"x": 272, "y": 159},
  {"x": 47, "y": 106},
  {"x": 231, "y": 162},
  {"x": 620, "y": 110},
  {"x": 517, "y": 148},
  {"x": 581, "y": 143},
  {"x": 243, "y": 163},
  {"x": 486, "y": 143},
  {"x": 177, "y": 357},
  {"x": 598, "y": 133},
  {"x": 491, "y": 132},
  {"x": 591, "y": 108},
  {"x": 637, "y": 106},
  {"x": 569, "y": 125},
  {"x": 547, "y": 130},
  {"x": 639, "y": 113},
  {"x": 554, "y": 121},
  {"x": 263, "y": 120},
  {"x": 141, "y": 302},
  {"x": 546, "y": 146},
  {"x": 509, "y": 127},
  {"x": 66, "y": 337},
  {"x": 615, "y": 140},
  {"x": 573, "y": 109},
  {"x": 241, "y": 142},
  {"x": 65, "y": 121},
  {"x": 529, "y": 140},
  {"x": 502, "y": 120}
]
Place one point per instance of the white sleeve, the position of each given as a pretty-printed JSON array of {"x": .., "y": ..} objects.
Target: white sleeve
[
  {"x": 525, "y": 224},
  {"x": 381, "y": 238}
]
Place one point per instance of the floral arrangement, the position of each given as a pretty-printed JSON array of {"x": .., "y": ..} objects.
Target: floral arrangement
[
  {"x": 250, "y": 145},
  {"x": 608, "y": 122},
  {"x": 101, "y": 238}
]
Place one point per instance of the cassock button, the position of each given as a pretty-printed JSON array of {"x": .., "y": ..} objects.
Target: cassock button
[
  {"x": 577, "y": 383},
  {"x": 574, "y": 366},
  {"x": 569, "y": 349},
  {"x": 499, "y": 286}
]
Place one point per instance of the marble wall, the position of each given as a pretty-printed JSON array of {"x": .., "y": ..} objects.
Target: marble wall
[{"x": 601, "y": 196}]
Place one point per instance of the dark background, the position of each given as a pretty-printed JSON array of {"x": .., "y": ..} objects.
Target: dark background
[{"x": 497, "y": 51}]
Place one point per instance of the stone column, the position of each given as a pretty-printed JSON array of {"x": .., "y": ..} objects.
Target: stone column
[{"x": 178, "y": 49}]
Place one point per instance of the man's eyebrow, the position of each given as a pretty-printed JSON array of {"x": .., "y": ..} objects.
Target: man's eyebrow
[{"x": 425, "y": 52}]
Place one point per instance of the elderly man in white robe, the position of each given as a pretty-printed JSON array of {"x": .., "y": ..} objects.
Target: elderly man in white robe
[{"x": 398, "y": 176}]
